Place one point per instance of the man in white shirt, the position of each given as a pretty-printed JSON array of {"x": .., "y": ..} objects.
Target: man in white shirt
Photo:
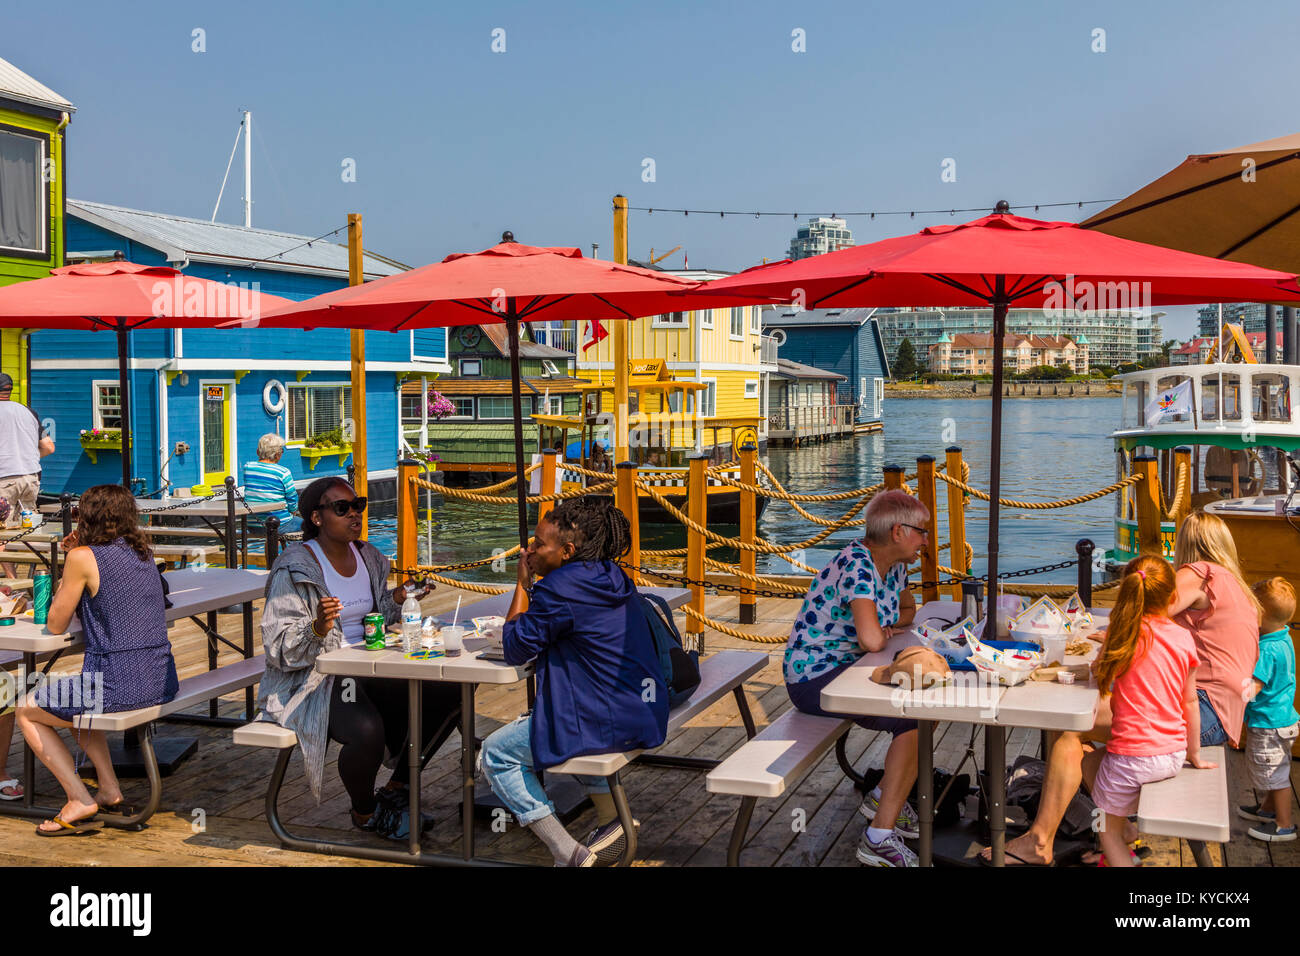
[{"x": 22, "y": 446}]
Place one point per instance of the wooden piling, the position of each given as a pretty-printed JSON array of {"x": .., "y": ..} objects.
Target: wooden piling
[
  {"x": 930, "y": 554},
  {"x": 1148, "y": 505},
  {"x": 893, "y": 477},
  {"x": 549, "y": 459},
  {"x": 748, "y": 529},
  {"x": 956, "y": 519},
  {"x": 697, "y": 511},
  {"x": 625, "y": 496},
  {"x": 408, "y": 514}
]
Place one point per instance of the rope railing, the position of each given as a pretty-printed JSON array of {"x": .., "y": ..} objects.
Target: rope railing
[
  {"x": 1040, "y": 505},
  {"x": 468, "y": 495},
  {"x": 1182, "y": 491}
]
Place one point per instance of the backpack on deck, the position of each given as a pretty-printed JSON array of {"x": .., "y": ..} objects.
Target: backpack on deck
[{"x": 680, "y": 668}]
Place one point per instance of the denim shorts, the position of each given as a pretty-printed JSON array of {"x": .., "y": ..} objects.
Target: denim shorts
[
  {"x": 807, "y": 697},
  {"x": 1212, "y": 733}
]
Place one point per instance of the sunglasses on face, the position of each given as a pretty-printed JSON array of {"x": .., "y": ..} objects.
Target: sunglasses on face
[
  {"x": 915, "y": 528},
  {"x": 342, "y": 507}
]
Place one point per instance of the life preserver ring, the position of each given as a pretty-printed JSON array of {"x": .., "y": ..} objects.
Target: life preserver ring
[{"x": 274, "y": 406}]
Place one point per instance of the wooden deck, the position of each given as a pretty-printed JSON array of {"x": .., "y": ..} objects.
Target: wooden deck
[{"x": 212, "y": 807}]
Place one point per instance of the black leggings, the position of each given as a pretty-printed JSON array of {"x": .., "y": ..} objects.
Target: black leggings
[{"x": 375, "y": 717}]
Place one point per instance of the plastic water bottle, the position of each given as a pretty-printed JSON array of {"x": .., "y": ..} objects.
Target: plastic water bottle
[
  {"x": 410, "y": 624},
  {"x": 41, "y": 590}
]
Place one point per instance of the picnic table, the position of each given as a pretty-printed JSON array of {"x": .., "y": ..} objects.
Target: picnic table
[
  {"x": 1040, "y": 705},
  {"x": 469, "y": 670},
  {"x": 191, "y": 592}
]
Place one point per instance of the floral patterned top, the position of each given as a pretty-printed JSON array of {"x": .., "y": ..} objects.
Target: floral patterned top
[{"x": 824, "y": 637}]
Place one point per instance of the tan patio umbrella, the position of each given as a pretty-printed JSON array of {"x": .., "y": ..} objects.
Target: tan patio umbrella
[{"x": 1241, "y": 204}]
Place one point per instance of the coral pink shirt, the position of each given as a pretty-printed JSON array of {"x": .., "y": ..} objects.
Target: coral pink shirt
[
  {"x": 1147, "y": 699},
  {"x": 1227, "y": 643}
]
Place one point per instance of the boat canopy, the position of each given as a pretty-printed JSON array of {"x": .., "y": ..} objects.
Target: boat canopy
[{"x": 1234, "y": 405}]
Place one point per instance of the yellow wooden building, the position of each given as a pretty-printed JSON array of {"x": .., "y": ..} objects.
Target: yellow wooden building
[
  {"x": 724, "y": 350},
  {"x": 32, "y": 122}
]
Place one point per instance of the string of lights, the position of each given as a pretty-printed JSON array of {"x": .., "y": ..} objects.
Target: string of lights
[
  {"x": 910, "y": 213},
  {"x": 308, "y": 242}
]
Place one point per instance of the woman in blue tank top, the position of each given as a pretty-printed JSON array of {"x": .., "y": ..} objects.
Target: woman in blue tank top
[{"x": 110, "y": 581}]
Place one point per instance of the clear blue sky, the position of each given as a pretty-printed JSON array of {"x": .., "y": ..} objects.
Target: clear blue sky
[{"x": 454, "y": 143}]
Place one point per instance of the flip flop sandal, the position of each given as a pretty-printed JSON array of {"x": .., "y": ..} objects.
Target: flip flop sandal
[
  {"x": 1020, "y": 861},
  {"x": 121, "y": 808},
  {"x": 16, "y": 783},
  {"x": 88, "y": 825},
  {"x": 1141, "y": 849}
]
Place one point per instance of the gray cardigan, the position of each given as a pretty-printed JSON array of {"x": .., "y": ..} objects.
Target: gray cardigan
[{"x": 293, "y": 693}]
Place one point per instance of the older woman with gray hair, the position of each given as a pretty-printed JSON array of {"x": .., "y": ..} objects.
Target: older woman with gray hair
[
  {"x": 853, "y": 607},
  {"x": 268, "y": 480}
]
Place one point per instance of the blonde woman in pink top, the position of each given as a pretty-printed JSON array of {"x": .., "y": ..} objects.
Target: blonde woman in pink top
[{"x": 1216, "y": 605}]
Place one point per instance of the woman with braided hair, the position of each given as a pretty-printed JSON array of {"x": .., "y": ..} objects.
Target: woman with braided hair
[{"x": 599, "y": 685}]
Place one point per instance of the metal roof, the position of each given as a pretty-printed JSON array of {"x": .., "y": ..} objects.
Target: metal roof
[
  {"x": 17, "y": 85},
  {"x": 783, "y": 316},
  {"x": 182, "y": 239},
  {"x": 788, "y": 369}
]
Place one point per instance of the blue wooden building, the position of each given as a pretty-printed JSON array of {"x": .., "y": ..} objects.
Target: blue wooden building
[
  {"x": 201, "y": 399},
  {"x": 845, "y": 341}
]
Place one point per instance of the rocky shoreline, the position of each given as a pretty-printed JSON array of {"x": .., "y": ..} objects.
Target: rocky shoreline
[{"x": 1009, "y": 390}]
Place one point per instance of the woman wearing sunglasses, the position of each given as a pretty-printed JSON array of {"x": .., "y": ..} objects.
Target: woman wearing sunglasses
[{"x": 317, "y": 594}]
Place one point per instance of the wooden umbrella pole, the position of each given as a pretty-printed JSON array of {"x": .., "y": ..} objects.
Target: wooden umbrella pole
[{"x": 516, "y": 388}]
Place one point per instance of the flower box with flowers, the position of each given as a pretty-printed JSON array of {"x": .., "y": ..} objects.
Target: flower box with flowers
[{"x": 95, "y": 440}]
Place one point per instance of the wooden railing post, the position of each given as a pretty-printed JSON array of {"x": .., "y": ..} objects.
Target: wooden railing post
[
  {"x": 697, "y": 511},
  {"x": 625, "y": 496},
  {"x": 408, "y": 514},
  {"x": 893, "y": 477},
  {"x": 748, "y": 530},
  {"x": 549, "y": 459},
  {"x": 930, "y": 555},
  {"x": 956, "y": 519},
  {"x": 1148, "y": 505},
  {"x": 1182, "y": 459}
]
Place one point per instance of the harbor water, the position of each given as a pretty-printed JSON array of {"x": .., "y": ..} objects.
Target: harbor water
[{"x": 1051, "y": 448}]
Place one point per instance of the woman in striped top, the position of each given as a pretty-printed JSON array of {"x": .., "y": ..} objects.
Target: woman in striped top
[{"x": 267, "y": 480}]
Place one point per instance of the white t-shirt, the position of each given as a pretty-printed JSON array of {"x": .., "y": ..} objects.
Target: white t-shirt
[
  {"x": 354, "y": 592},
  {"x": 20, "y": 437}
]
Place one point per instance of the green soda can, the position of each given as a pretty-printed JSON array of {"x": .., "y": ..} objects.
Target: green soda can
[{"x": 374, "y": 631}]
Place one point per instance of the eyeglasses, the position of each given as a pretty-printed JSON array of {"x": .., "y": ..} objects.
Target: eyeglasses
[
  {"x": 922, "y": 531},
  {"x": 342, "y": 507}
]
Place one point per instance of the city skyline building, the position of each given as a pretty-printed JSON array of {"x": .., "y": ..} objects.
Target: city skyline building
[{"x": 818, "y": 235}]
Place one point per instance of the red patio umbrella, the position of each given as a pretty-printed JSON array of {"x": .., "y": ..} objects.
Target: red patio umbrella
[
  {"x": 121, "y": 297},
  {"x": 1003, "y": 261},
  {"x": 509, "y": 283}
]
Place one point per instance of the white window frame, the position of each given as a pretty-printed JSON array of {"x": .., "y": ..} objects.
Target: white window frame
[
  {"x": 703, "y": 394},
  {"x": 880, "y": 397},
  {"x": 96, "y": 413},
  {"x": 42, "y": 196},
  {"x": 751, "y": 388},
  {"x": 737, "y": 312},
  {"x": 662, "y": 321},
  {"x": 442, "y": 359},
  {"x": 549, "y": 367},
  {"x": 461, "y": 363},
  {"x": 233, "y": 464},
  {"x": 306, "y": 386},
  {"x": 525, "y": 409},
  {"x": 706, "y": 318},
  {"x": 755, "y": 320}
]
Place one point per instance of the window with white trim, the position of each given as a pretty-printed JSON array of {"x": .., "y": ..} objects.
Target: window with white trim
[
  {"x": 470, "y": 367},
  {"x": 317, "y": 409},
  {"x": 670, "y": 320},
  {"x": 755, "y": 320},
  {"x": 706, "y": 318},
  {"x": 502, "y": 407},
  {"x": 738, "y": 322},
  {"x": 751, "y": 388},
  {"x": 23, "y": 199},
  {"x": 108, "y": 405}
]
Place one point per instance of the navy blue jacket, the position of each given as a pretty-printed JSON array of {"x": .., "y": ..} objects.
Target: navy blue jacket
[{"x": 599, "y": 684}]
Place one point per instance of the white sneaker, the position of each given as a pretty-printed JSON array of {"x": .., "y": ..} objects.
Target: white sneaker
[{"x": 891, "y": 851}]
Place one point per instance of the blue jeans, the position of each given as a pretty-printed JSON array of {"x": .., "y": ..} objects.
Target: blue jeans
[
  {"x": 1212, "y": 732},
  {"x": 507, "y": 760}
]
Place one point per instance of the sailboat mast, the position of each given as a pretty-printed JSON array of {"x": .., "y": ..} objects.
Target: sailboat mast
[{"x": 248, "y": 169}]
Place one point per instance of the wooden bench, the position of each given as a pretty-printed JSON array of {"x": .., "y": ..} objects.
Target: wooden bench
[
  {"x": 767, "y": 765},
  {"x": 1192, "y": 805},
  {"x": 193, "y": 690},
  {"x": 722, "y": 673}
]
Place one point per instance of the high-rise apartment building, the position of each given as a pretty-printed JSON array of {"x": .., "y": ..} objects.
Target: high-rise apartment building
[
  {"x": 1249, "y": 315},
  {"x": 820, "y": 235}
]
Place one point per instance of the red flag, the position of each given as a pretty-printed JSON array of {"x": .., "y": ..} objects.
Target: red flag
[{"x": 595, "y": 332}]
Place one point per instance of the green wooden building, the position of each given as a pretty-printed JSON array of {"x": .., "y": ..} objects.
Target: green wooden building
[
  {"x": 32, "y": 122},
  {"x": 481, "y": 431}
]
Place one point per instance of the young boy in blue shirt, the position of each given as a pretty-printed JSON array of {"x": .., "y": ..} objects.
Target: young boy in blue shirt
[{"x": 1271, "y": 718}]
